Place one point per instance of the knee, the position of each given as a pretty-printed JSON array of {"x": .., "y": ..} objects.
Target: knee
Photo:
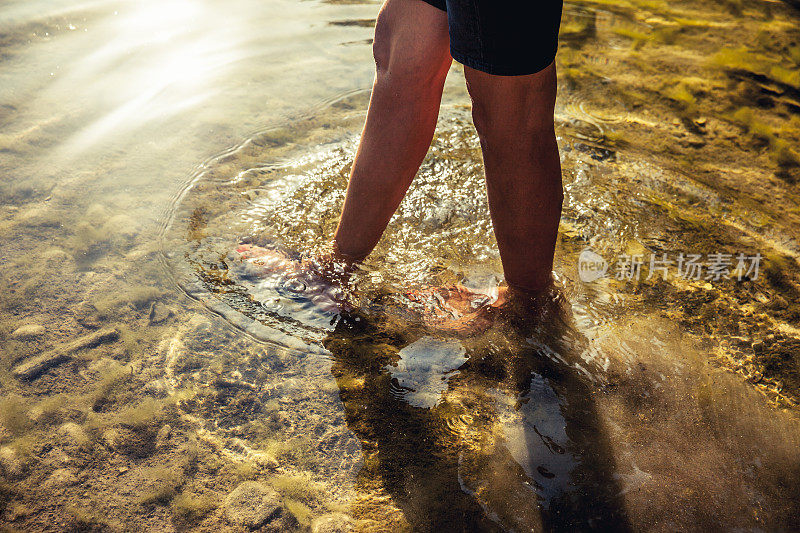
[
  {"x": 406, "y": 61},
  {"x": 482, "y": 119},
  {"x": 509, "y": 112},
  {"x": 382, "y": 44}
]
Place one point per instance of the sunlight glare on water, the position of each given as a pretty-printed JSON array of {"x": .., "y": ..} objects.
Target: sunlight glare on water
[{"x": 164, "y": 84}]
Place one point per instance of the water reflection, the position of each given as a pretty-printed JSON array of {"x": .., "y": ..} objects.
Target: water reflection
[{"x": 491, "y": 433}]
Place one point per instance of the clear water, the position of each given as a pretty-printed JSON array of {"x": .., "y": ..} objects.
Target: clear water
[{"x": 649, "y": 404}]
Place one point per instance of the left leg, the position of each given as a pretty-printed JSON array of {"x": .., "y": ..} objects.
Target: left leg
[{"x": 514, "y": 119}]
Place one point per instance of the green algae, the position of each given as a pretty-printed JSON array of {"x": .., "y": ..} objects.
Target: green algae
[
  {"x": 160, "y": 495},
  {"x": 85, "y": 518},
  {"x": 147, "y": 412},
  {"x": 680, "y": 93},
  {"x": 301, "y": 512},
  {"x": 50, "y": 411},
  {"x": 14, "y": 414},
  {"x": 191, "y": 507},
  {"x": 298, "y": 487},
  {"x": 739, "y": 58},
  {"x": 785, "y": 153},
  {"x": 139, "y": 297},
  {"x": 113, "y": 381},
  {"x": 164, "y": 484},
  {"x": 742, "y": 59},
  {"x": 247, "y": 470},
  {"x": 784, "y": 75},
  {"x": 635, "y": 35}
]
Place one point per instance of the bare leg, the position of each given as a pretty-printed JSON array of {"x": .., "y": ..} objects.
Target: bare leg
[
  {"x": 514, "y": 119},
  {"x": 412, "y": 55}
]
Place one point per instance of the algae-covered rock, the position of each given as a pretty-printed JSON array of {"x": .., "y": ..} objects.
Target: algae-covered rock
[
  {"x": 86, "y": 314},
  {"x": 138, "y": 442},
  {"x": 163, "y": 435},
  {"x": 332, "y": 523},
  {"x": 72, "y": 435},
  {"x": 190, "y": 507},
  {"x": 11, "y": 466},
  {"x": 252, "y": 505},
  {"x": 34, "y": 366},
  {"x": 28, "y": 332},
  {"x": 63, "y": 477},
  {"x": 159, "y": 313},
  {"x": 156, "y": 388}
]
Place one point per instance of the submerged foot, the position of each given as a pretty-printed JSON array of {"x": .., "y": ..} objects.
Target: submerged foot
[
  {"x": 461, "y": 310},
  {"x": 320, "y": 280},
  {"x": 454, "y": 309}
]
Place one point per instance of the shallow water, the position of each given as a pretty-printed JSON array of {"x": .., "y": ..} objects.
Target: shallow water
[{"x": 142, "y": 143}]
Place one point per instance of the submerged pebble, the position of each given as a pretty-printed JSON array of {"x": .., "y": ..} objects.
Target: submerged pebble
[
  {"x": 28, "y": 332},
  {"x": 252, "y": 504},
  {"x": 10, "y": 464},
  {"x": 332, "y": 523},
  {"x": 63, "y": 477}
]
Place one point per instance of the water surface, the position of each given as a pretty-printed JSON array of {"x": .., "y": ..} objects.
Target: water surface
[{"x": 142, "y": 143}]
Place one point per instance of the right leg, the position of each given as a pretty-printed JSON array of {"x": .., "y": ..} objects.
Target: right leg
[{"x": 412, "y": 55}]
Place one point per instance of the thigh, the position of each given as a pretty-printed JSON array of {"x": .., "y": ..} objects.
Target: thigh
[{"x": 504, "y": 37}]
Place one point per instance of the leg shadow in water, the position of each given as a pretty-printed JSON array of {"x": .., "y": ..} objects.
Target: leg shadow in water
[{"x": 496, "y": 432}]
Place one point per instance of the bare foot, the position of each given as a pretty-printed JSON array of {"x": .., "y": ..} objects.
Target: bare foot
[
  {"x": 320, "y": 280},
  {"x": 460, "y": 310},
  {"x": 456, "y": 308}
]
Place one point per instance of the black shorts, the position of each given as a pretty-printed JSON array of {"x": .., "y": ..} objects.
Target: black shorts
[{"x": 503, "y": 37}]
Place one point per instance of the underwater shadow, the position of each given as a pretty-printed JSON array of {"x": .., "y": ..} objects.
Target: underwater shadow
[{"x": 494, "y": 432}]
